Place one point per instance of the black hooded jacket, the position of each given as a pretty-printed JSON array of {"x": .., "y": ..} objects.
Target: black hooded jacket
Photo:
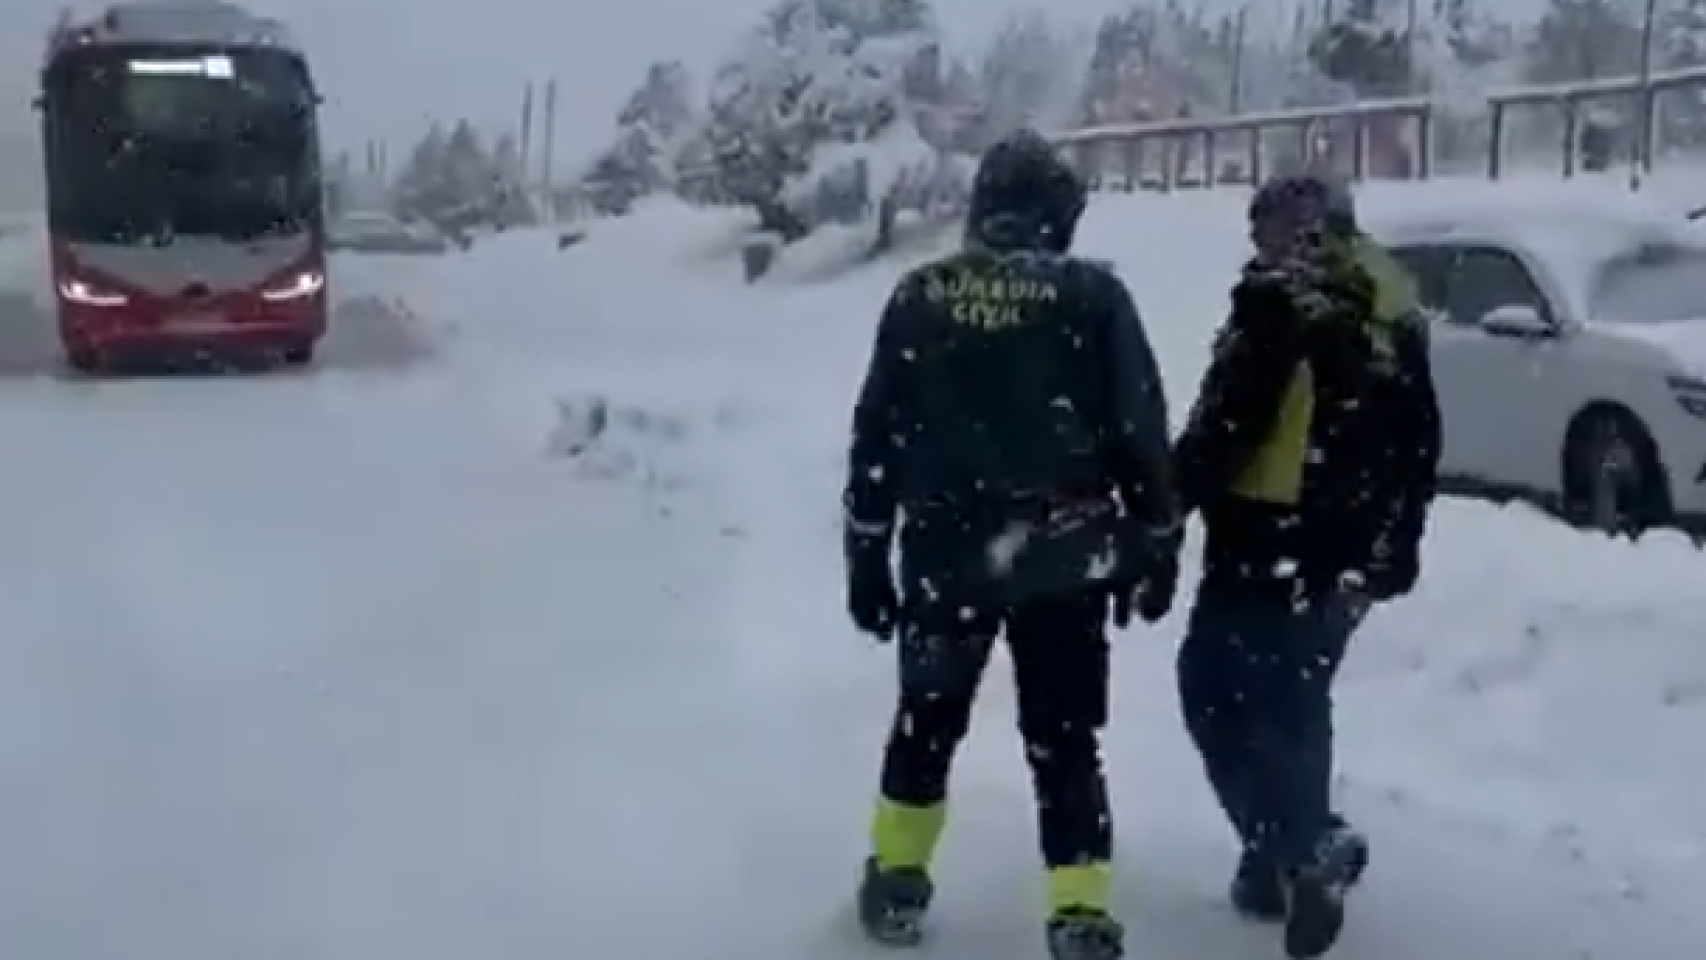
[{"x": 1010, "y": 371}]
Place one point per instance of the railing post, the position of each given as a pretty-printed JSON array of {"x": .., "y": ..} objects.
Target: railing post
[
  {"x": 1495, "y": 138},
  {"x": 1359, "y": 148},
  {"x": 1423, "y": 120},
  {"x": 1644, "y": 147},
  {"x": 1572, "y": 134}
]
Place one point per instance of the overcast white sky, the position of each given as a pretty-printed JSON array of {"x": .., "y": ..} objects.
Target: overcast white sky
[{"x": 386, "y": 65}]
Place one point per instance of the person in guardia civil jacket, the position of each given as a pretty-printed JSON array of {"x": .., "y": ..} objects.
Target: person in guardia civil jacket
[
  {"x": 1011, "y": 434},
  {"x": 1311, "y": 455}
]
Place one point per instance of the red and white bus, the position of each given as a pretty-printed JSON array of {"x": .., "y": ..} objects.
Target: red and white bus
[{"x": 184, "y": 206}]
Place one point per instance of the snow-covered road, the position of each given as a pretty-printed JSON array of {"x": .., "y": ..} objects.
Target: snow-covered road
[{"x": 367, "y": 664}]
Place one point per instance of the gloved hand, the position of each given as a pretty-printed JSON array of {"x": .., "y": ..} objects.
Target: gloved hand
[
  {"x": 1151, "y": 595},
  {"x": 873, "y": 603},
  {"x": 1393, "y": 578},
  {"x": 1392, "y": 571},
  {"x": 1352, "y": 599},
  {"x": 1150, "y": 598}
]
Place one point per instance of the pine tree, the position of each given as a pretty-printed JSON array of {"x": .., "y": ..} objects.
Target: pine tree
[
  {"x": 1466, "y": 32},
  {"x": 467, "y": 176},
  {"x": 1123, "y": 42},
  {"x": 1025, "y": 76},
  {"x": 1680, "y": 42},
  {"x": 1367, "y": 51},
  {"x": 867, "y": 19},
  {"x": 418, "y": 191},
  {"x": 651, "y": 133},
  {"x": 1582, "y": 40},
  {"x": 816, "y": 75},
  {"x": 511, "y": 206}
]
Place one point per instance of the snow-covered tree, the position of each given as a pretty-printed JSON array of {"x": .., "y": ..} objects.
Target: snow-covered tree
[
  {"x": 806, "y": 91},
  {"x": 1680, "y": 41},
  {"x": 453, "y": 180},
  {"x": 864, "y": 19},
  {"x": 1582, "y": 40},
  {"x": 750, "y": 131},
  {"x": 509, "y": 204},
  {"x": 1368, "y": 49},
  {"x": 1166, "y": 60},
  {"x": 1123, "y": 43},
  {"x": 650, "y": 129},
  {"x": 465, "y": 170},
  {"x": 1469, "y": 33},
  {"x": 419, "y": 186},
  {"x": 1028, "y": 77}
]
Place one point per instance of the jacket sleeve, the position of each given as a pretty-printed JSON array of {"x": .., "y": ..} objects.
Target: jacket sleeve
[
  {"x": 1140, "y": 458},
  {"x": 1420, "y": 429},
  {"x": 1255, "y": 356},
  {"x": 879, "y": 420}
]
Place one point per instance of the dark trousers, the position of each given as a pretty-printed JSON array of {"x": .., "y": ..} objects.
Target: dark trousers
[
  {"x": 1255, "y": 685},
  {"x": 1059, "y": 651}
]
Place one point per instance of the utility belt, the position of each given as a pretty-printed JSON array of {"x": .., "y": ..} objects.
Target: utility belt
[{"x": 995, "y": 551}]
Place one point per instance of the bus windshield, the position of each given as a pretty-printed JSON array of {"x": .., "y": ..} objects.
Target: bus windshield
[{"x": 151, "y": 144}]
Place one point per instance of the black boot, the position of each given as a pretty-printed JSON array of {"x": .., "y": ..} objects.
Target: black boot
[
  {"x": 1257, "y": 891},
  {"x": 1081, "y": 934},
  {"x": 1355, "y": 852},
  {"x": 892, "y": 904},
  {"x": 1315, "y": 894}
]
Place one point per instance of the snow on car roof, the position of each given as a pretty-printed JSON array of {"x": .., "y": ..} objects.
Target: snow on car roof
[
  {"x": 1563, "y": 223},
  {"x": 1573, "y": 227}
]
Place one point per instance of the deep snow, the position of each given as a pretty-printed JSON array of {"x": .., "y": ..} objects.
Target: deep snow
[{"x": 396, "y": 661}]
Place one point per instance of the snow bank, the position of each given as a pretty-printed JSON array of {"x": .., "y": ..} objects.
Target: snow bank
[{"x": 1539, "y": 684}]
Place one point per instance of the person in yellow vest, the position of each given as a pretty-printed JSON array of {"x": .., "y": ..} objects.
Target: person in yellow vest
[{"x": 1311, "y": 455}]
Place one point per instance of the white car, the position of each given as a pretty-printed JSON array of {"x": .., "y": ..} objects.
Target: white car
[{"x": 1569, "y": 350}]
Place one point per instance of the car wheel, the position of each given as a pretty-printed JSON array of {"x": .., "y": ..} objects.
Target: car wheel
[
  {"x": 300, "y": 355},
  {"x": 1613, "y": 479}
]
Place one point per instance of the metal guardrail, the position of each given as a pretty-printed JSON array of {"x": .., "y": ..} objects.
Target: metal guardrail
[{"x": 1239, "y": 148}]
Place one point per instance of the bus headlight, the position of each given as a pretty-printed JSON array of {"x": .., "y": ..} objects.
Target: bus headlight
[
  {"x": 304, "y": 284},
  {"x": 89, "y": 295}
]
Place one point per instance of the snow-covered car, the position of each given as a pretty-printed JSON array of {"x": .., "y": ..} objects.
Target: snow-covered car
[
  {"x": 373, "y": 232},
  {"x": 1569, "y": 347}
]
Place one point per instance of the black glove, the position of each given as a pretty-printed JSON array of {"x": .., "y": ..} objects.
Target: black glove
[
  {"x": 1393, "y": 577},
  {"x": 872, "y": 601},
  {"x": 1352, "y": 598},
  {"x": 1150, "y": 598},
  {"x": 1392, "y": 571},
  {"x": 1151, "y": 595}
]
